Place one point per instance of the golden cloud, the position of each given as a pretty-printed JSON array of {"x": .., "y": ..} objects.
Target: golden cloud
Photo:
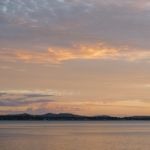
[{"x": 58, "y": 55}]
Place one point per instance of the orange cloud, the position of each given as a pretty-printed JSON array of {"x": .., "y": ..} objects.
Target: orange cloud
[{"x": 58, "y": 55}]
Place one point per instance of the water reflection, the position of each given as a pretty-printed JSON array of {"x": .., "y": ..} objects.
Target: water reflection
[{"x": 75, "y": 135}]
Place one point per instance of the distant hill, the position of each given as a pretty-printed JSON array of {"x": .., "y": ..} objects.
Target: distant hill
[{"x": 69, "y": 117}]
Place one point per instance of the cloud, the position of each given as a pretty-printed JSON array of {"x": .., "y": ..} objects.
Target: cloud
[
  {"x": 57, "y": 55},
  {"x": 28, "y": 12},
  {"x": 34, "y": 93},
  {"x": 15, "y": 103},
  {"x": 26, "y": 25},
  {"x": 15, "y": 98},
  {"x": 52, "y": 22}
]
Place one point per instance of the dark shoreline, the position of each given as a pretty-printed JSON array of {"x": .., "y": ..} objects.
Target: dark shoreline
[{"x": 69, "y": 117}]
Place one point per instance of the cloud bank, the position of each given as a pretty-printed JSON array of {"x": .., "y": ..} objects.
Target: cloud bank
[{"x": 46, "y": 31}]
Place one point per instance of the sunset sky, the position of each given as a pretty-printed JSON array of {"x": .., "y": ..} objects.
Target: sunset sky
[{"x": 78, "y": 56}]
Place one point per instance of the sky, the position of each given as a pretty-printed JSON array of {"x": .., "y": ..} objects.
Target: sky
[{"x": 88, "y": 57}]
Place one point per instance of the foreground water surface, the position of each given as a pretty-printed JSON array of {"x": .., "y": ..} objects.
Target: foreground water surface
[{"x": 124, "y": 135}]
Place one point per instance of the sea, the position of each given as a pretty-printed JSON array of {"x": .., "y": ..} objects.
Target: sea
[{"x": 74, "y": 135}]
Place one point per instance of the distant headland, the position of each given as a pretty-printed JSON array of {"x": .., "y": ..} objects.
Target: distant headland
[{"x": 69, "y": 117}]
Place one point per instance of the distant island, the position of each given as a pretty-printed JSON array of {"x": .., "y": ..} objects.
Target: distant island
[{"x": 68, "y": 117}]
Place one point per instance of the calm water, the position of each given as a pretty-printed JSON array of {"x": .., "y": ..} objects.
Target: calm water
[{"x": 74, "y": 135}]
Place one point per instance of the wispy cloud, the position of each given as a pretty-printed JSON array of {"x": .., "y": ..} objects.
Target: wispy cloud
[
  {"x": 15, "y": 98},
  {"x": 19, "y": 98},
  {"x": 57, "y": 55}
]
